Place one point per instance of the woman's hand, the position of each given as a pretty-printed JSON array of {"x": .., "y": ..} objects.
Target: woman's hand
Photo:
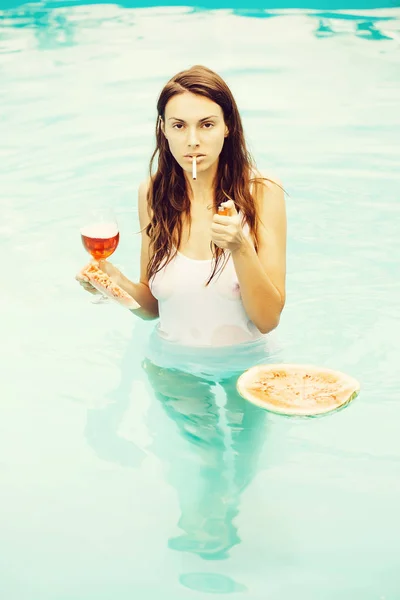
[
  {"x": 105, "y": 266},
  {"x": 226, "y": 231},
  {"x": 85, "y": 283},
  {"x": 108, "y": 268}
]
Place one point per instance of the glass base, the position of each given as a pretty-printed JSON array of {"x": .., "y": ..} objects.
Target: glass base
[{"x": 100, "y": 299}]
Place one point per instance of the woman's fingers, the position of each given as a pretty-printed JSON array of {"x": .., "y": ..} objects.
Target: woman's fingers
[
  {"x": 85, "y": 283},
  {"x": 107, "y": 267},
  {"x": 89, "y": 288},
  {"x": 81, "y": 277}
]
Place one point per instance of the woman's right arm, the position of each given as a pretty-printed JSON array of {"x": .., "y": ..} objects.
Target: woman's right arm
[{"x": 141, "y": 291}]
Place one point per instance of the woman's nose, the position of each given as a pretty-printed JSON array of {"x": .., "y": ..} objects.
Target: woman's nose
[{"x": 193, "y": 138}]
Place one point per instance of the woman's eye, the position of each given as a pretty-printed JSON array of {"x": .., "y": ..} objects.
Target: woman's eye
[{"x": 179, "y": 126}]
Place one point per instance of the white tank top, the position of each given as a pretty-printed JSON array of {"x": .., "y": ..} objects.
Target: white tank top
[{"x": 192, "y": 314}]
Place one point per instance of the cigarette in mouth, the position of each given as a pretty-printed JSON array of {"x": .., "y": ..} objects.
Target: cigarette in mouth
[{"x": 194, "y": 167}]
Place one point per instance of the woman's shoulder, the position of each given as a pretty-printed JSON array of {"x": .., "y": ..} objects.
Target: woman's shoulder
[
  {"x": 267, "y": 190},
  {"x": 267, "y": 179},
  {"x": 144, "y": 187},
  {"x": 144, "y": 208}
]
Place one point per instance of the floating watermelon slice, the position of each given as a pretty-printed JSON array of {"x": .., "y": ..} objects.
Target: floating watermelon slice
[{"x": 296, "y": 389}]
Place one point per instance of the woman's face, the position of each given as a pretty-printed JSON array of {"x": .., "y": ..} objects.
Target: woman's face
[{"x": 194, "y": 125}]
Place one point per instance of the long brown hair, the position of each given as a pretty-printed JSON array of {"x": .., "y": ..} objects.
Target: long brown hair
[{"x": 168, "y": 197}]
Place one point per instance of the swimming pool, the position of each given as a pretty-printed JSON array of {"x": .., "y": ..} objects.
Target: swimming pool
[{"x": 114, "y": 483}]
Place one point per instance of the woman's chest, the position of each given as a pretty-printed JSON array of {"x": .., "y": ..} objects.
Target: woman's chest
[
  {"x": 185, "y": 279},
  {"x": 196, "y": 237}
]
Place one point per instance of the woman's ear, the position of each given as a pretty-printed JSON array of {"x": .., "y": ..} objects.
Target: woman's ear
[{"x": 226, "y": 132}]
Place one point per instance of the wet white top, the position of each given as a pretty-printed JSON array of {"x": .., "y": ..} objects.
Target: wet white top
[{"x": 192, "y": 314}]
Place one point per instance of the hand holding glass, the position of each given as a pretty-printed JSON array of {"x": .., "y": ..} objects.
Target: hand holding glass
[{"x": 100, "y": 236}]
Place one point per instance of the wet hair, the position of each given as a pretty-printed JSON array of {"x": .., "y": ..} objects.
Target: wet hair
[{"x": 168, "y": 194}]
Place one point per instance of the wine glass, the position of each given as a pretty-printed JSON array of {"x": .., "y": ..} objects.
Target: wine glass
[{"x": 100, "y": 236}]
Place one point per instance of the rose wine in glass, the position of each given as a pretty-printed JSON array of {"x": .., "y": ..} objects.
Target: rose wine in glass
[
  {"x": 100, "y": 235},
  {"x": 100, "y": 239}
]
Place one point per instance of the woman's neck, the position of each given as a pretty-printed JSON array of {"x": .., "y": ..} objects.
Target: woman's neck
[{"x": 202, "y": 189}]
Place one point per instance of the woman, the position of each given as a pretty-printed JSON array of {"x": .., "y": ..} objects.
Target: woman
[
  {"x": 217, "y": 284},
  {"x": 213, "y": 280}
]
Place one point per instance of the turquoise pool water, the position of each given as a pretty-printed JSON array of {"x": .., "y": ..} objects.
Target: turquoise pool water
[{"x": 116, "y": 481}]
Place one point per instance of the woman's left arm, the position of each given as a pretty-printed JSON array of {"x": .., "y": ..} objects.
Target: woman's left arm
[{"x": 261, "y": 274}]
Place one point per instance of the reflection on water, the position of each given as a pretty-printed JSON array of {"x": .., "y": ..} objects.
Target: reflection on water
[
  {"x": 211, "y": 583},
  {"x": 57, "y": 26},
  {"x": 365, "y": 27},
  {"x": 223, "y": 435},
  {"x": 102, "y": 427},
  {"x": 52, "y": 28},
  {"x": 222, "y": 438}
]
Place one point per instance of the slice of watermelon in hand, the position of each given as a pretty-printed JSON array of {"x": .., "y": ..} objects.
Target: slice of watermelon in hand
[{"x": 104, "y": 284}]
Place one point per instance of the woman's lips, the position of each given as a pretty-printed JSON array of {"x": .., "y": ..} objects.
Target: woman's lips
[{"x": 198, "y": 158}]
